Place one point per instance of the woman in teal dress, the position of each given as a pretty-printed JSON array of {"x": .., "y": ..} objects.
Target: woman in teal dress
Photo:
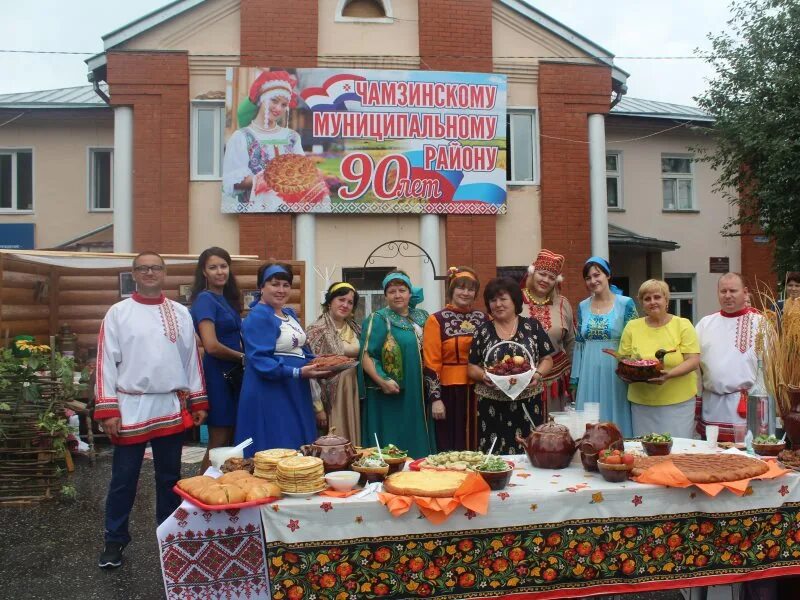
[
  {"x": 390, "y": 374},
  {"x": 601, "y": 319}
]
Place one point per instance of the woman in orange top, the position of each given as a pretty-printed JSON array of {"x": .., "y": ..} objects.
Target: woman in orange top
[{"x": 445, "y": 348}]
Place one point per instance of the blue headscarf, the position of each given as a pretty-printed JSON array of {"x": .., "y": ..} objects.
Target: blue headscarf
[
  {"x": 268, "y": 274},
  {"x": 605, "y": 266},
  {"x": 417, "y": 294}
]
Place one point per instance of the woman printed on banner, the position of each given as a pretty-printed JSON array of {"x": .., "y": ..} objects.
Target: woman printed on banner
[
  {"x": 390, "y": 373},
  {"x": 335, "y": 332},
  {"x": 546, "y": 305},
  {"x": 260, "y": 140},
  {"x": 275, "y": 406},
  {"x": 216, "y": 308},
  {"x": 601, "y": 320},
  {"x": 498, "y": 415},
  {"x": 445, "y": 348}
]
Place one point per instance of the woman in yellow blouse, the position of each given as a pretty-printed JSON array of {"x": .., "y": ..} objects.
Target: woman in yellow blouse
[
  {"x": 445, "y": 348},
  {"x": 665, "y": 404}
]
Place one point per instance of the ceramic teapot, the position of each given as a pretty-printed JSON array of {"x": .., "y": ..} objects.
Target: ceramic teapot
[
  {"x": 549, "y": 446},
  {"x": 335, "y": 451},
  {"x": 598, "y": 437}
]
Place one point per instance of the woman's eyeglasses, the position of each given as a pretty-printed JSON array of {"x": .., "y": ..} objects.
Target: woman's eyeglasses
[{"x": 142, "y": 269}]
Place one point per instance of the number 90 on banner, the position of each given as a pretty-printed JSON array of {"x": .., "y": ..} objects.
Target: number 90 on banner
[{"x": 389, "y": 178}]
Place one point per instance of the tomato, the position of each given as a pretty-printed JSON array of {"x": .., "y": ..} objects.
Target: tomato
[
  {"x": 614, "y": 459},
  {"x": 627, "y": 459}
]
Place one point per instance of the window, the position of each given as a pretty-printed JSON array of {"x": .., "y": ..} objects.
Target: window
[
  {"x": 522, "y": 161},
  {"x": 207, "y": 145},
  {"x": 364, "y": 11},
  {"x": 676, "y": 181},
  {"x": 16, "y": 180},
  {"x": 100, "y": 178},
  {"x": 368, "y": 282},
  {"x": 614, "y": 179},
  {"x": 681, "y": 294},
  {"x": 517, "y": 273}
]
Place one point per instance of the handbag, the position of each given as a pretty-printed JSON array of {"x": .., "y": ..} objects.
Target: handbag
[
  {"x": 234, "y": 376},
  {"x": 392, "y": 355}
]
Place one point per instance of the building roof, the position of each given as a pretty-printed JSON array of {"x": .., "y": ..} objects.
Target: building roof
[
  {"x": 161, "y": 15},
  {"x": 82, "y": 96},
  {"x": 652, "y": 109},
  {"x": 619, "y": 236}
]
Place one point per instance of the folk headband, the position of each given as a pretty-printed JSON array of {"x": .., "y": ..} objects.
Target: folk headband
[
  {"x": 453, "y": 273},
  {"x": 270, "y": 272},
  {"x": 417, "y": 294},
  {"x": 341, "y": 285}
]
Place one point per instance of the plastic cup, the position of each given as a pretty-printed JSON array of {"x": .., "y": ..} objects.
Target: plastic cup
[
  {"x": 739, "y": 432},
  {"x": 712, "y": 433}
]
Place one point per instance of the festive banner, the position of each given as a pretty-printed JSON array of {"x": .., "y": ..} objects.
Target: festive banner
[{"x": 364, "y": 141}]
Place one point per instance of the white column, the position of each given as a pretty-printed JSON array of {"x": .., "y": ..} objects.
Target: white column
[
  {"x": 429, "y": 239},
  {"x": 597, "y": 185},
  {"x": 123, "y": 179},
  {"x": 305, "y": 244}
]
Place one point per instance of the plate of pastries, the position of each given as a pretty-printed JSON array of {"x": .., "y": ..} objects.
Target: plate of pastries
[{"x": 236, "y": 489}]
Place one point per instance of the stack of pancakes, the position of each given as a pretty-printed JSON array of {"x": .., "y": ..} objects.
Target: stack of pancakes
[
  {"x": 267, "y": 460},
  {"x": 301, "y": 474}
]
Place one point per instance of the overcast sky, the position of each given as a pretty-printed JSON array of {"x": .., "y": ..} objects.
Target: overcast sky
[{"x": 624, "y": 27}]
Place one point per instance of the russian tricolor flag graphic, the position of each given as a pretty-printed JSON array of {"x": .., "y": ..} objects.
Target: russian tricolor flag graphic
[{"x": 333, "y": 94}]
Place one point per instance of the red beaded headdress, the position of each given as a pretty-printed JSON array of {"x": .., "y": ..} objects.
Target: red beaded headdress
[{"x": 548, "y": 261}]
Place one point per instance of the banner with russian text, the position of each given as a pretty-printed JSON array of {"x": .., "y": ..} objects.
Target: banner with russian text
[{"x": 364, "y": 141}]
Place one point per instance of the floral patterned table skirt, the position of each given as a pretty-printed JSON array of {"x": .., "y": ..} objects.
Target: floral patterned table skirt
[
  {"x": 553, "y": 560},
  {"x": 549, "y": 534}
]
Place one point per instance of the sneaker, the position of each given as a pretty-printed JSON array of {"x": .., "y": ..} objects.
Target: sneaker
[{"x": 111, "y": 558}]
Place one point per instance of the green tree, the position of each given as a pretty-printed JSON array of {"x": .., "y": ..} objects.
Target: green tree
[{"x": 754, "y": 96}]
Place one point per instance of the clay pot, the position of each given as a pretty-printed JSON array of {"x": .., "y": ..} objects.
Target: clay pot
[
  {"x": 549, "y": 446},
  {"x": 335, "y": 451},
  {"x": 598, "y": 437}
]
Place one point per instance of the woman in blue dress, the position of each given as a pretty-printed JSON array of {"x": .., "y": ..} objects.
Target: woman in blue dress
[
  {"x": 275, "y": 404},
  {"x": 601, "y": 319},
  {"x": 216, "y": 314}
]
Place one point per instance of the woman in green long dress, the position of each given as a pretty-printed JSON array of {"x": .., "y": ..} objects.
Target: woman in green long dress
[{"x": 390, "y": 375}]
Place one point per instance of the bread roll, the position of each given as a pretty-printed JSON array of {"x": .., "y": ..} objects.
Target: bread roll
[
  {"x": 234, "y": 493},
  {"x": 212, "y": 495},
  {"x": 233, "y": 476},
  {"x": 263, "y": 490},
  {"x": 193, "y": 485}
]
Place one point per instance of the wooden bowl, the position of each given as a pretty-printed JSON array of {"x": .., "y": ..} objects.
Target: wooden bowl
[
  {"x": 657, "y": 448},
  {"x": 370, "y": 474},
  {"x": 769, "y": 449},
  {"x": 497, "y": 480},
  {"x": 614, "y": 473}
]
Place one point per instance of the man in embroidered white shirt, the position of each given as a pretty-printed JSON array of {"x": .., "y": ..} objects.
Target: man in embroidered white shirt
[
  {"x": 728, "y": 357},
  {"x": 146, "y": 362}
]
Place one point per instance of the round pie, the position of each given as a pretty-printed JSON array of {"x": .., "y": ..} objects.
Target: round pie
[
  {"x": 706, "y": 468},
  {"x": 433, "y": 484},
  {"x": 295, "y": 177}
]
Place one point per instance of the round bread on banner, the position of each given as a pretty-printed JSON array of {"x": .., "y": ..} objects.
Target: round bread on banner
[
  {"x": 706, "y": 468},
  {"x": 432, "y": 484}
]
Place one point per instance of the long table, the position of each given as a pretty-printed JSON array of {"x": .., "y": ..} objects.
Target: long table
[{"x": 549, "y": 534}]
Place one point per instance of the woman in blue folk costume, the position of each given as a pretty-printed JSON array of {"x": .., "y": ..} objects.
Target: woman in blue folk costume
[
  {"x": 275, "y": 403},
  {"x": 601, "y": 319},
  {"x": 390, "y": 375}
]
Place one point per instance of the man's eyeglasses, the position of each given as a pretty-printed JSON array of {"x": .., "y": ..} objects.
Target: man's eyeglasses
[{"x": 142, "y": 269}]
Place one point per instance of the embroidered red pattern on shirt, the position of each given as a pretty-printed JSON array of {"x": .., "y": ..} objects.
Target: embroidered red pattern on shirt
[
  {"x": 744, "y": 332},
  {"x": 169, "y": 321}
]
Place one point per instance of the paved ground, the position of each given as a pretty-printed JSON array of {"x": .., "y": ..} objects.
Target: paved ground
[{"x": 49, "y": 552}]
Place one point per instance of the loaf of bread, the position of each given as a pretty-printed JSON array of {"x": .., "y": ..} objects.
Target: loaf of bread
[
  {"x": 193, "y": 485},
  {"x": 231, "y": 488},
  {"x": 233, "y": 477}
]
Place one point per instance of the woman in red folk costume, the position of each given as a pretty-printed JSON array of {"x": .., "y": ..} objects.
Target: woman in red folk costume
[
  {"x": 263, "y": 138},
  {"x": 545, "y": 304}
]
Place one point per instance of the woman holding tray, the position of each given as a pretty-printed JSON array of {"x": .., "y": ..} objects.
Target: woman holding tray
[
  {"x": 499, "y": 415},
  {"x": 665, "y": 404},
  {"x": 335, "y": 332},
  {"x": 275, "y": 403}
]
